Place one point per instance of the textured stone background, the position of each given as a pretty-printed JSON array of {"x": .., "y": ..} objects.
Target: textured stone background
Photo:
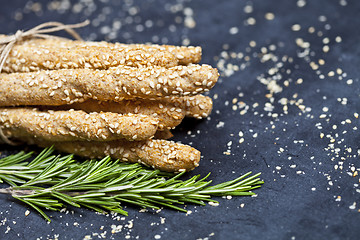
[{"x": 286, "y": 105}]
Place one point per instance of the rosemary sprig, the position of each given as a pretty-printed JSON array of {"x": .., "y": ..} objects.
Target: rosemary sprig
[{"x": 51, "y": 182}]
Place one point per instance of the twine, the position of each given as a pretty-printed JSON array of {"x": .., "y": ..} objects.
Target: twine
[{"x": 40, "y": 31}]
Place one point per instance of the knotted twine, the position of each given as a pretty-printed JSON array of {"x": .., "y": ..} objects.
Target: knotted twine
[{"x": 40, "y": 31}]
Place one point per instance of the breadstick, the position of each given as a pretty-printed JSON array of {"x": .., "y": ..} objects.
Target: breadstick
[
  {"x": 51, "y": 54},
  {"x": 75, "y": 125},
  {"x": 184, "y": 55},
  {"x": 160, "y": 154},
  {"x": 34, "y": 55},
  {"x": 198, "y": 106},
  {"x": 169, "y": 114},
  {"x": 65, "y": 86},
  {"x": 169, "y": 111}
]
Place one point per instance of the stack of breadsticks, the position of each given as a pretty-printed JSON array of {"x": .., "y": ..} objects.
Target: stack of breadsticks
[{"x": 96, "y": 98}]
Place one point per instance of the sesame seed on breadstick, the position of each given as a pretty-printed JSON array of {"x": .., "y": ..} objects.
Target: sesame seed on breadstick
[
  {"x": 49, "y": 54},
  {"x": 75, "y": 125},
  {"x": 160, "y": 154},
  {"x": 184, "y": 55},
  {"x": 167, "y": 112},
  {"x": 59, "y": 87},
  {"x": 52, "y": 54},
  {"x": 198, "y": 106}
]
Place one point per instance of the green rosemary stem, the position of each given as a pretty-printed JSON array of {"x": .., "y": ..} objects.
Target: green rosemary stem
[{"x": 52, "y": 182}]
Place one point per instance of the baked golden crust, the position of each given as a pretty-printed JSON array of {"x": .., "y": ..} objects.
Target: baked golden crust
[
  {"x": 160, "y": 154},
  {"x": 169, "y": 111},
  {"x": 169, "y": 114},
  {"x": 53, "y": 54},
  {"x": 184, "y": 55},
  {"x": 55, "y": 126},
  {"x": 59, "y": 87},
  {"x": 198, "y": 106}
]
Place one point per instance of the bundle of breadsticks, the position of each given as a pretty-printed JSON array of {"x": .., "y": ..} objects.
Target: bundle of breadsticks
[{"x": 95, "y": 99}]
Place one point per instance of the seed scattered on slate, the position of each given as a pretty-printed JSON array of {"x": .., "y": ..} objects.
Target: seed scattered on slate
[{"x": 277, "y": 81}]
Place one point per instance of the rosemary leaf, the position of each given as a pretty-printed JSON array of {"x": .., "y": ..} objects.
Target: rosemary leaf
[{"x": 51, "y": 182}]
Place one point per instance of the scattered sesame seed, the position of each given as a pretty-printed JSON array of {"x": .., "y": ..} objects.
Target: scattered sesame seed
[
  {"x": 296, "y": 27},
  {"x": 269, "y": 16}
]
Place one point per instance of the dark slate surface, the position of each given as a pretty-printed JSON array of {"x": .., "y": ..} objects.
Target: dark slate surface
[{"x": 311, "y": 189}]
